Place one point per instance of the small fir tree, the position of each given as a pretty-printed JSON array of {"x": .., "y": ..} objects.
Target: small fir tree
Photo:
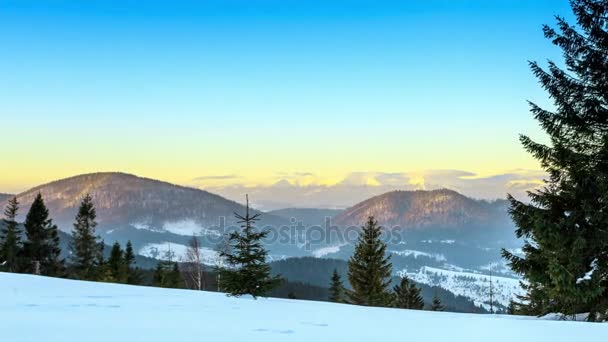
[
  {"x": 369, "y": 270},
  {"x": 10, "y": 237},
  {"x": 133, "y": 273},
  {"x": 407, "y": 295},
  {"x": 436, "y": 304},
  {"x": 117, "y": 265},
  {"x": 247, "y": 271},
  {"x": 336, "y": 289}
]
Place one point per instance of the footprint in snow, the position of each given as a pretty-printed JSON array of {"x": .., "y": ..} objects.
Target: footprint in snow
[
  {"x": 315, "y": 324},
  {"x": 289, "y": 331}
]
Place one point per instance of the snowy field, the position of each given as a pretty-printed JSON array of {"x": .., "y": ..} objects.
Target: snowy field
[{"x": 46, "y": 309}]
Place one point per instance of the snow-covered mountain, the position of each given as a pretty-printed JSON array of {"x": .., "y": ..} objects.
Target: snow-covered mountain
[{"x": 37, "y": 308}]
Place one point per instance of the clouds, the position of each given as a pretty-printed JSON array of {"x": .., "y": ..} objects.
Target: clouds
[
  {"x": 220, "y": 177},
  {"x": 306, "y": 189}
]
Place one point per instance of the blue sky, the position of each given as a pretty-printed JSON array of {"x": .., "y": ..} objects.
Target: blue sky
[{"x": 175, "y": 89}]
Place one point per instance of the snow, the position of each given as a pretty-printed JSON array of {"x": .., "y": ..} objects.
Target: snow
[
  {"x": 188, "y": 227},
  {"x": 176, "y": 252},
  {"x": 416, "y": 254},
  {"x": 471, "y": 285},
  {"x": 38, "y": 309},
  {"x": 324, "y": 251},
  {"x": 589, "y": 274}
]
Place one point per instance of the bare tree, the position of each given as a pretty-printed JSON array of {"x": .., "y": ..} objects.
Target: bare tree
[
  {"x": 222, "y": 247},
  {"x": 193, "y": 265}
]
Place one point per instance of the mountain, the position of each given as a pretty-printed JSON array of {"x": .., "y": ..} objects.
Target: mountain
[
  {"x": 442, "y": 229},
  {"x": 148, "y": 212},
  {"x": 439, "y": 209},
  {"x": 124, "y": 199},
  {"x": 308, "y": 216},
  {"x": 5, "y": 197}
]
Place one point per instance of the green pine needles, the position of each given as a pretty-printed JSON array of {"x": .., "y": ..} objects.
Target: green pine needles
[
  {"x": 565, "y": 261},
  {"x": 369, "y": 270},
  {"x": 247, "y": 273}
]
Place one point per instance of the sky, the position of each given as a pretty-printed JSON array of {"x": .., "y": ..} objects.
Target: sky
[{"x": 218, "y": 94}]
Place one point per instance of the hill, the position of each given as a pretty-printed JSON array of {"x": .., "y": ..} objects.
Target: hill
[
  {"x": 5, "y": 197},
  {"x": 57, "y": 310},
  {"x": 309, "y": 216},
  {"x": 426, "y": 209}
]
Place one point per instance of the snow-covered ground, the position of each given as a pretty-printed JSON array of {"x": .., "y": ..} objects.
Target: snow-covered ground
[
  {"x": 471, "y": 285},
  {"x": 34, "y": 309},
  {"x": 416, "y": 254},
  {"x": 176, "y": 252}
]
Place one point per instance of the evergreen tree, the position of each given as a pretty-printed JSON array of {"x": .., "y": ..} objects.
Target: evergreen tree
[
  {"x": 102, "y": 272},
  {"x": 133, "y": 274},
  {"x": 407, "y": 295},
  {"x": 565, "y": 261},
  {"x": 336, "y": 289},
  {"x": 10, "y": 237},
  {"x": 248, "y": 271},
  {"x": 369, "y": 271},
  {"x": 436, "y": 305},
  {"x": 158, "y": 278},
  {"x": 85, "y": 245},
  {"x": 174, "y": 277},
  {"x": 41, "y": 249},
  {"x": 117, "y": 265},
  {"x": 167, "y": 274}
]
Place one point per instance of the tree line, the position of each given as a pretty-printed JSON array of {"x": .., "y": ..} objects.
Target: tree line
[{"x": 39, "y": 252}]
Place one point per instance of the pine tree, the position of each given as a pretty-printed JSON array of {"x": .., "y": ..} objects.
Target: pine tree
[
  {"x": 248, "y": 271},
  {"x": 85, "y": 245},
  {"x": 116, "y": 264},
  {"x": 41, "y": 249},
  {"x": 564, "y": 225},
  {"x": 10, "y": 237},
  {"x": 174, "y": 277},
  {"x": 436, "y": 305},
  {"x": 336, "y": 289},
  {"x": 133, "y": 274},
  {"x": 369, "y": 271},
  {"x": 158, "y": 278},
  {"x": 407, "y": 295},
  {"x": 167, "y": 274}
]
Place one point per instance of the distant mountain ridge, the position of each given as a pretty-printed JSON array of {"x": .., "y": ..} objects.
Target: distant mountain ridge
[
  {"x": 426, "y": 209},
  {"x": 5, "y": 197},
  {"x": 124, "y": 199}
]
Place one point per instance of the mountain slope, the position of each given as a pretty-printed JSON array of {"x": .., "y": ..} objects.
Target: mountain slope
[
  {"x": 123, "y": 199},
  {"x": 309, "y": 216},
  {"x": 425, "y": 209},
  {"x": 5, "y": 197}
]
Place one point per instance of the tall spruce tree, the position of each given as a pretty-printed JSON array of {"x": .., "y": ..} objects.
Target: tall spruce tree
[
  {"x": 565, "y": 261},
  {"x": 407, "y": 295},
  {"x": 336, "y": 289},
  {"x": 247, "y": 271},
  {"x": 85, "y": 244},
  {"x": 10, "y": 237},
  {"x": 436, "y": 304},
  {"x": 41, "y": 251},
  {"x": 369, "y": 270}
]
